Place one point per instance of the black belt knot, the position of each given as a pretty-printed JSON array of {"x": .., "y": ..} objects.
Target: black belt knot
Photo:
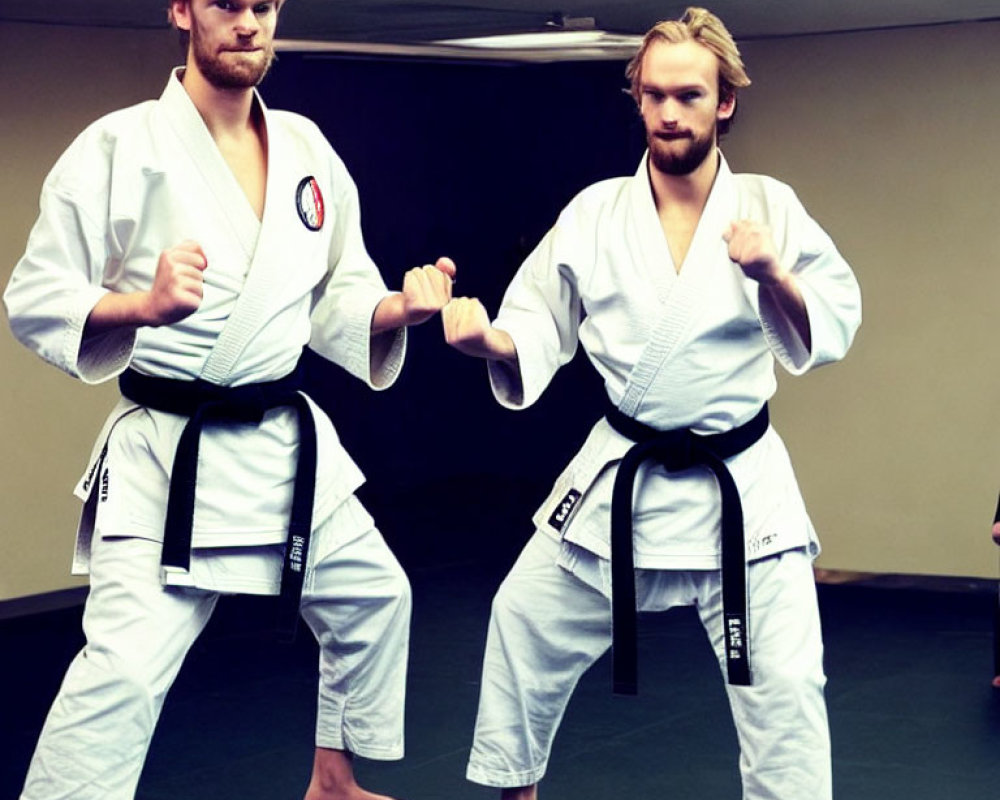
[
  {"x": 208, "y": 403},
  {"x": 677, "y": 450},
  {"x": 674, "y": 450}
]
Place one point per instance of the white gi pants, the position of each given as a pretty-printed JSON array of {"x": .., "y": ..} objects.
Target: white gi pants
[
  {"x": 356, "y": 601},
  {"x": 551, "y": 621}
]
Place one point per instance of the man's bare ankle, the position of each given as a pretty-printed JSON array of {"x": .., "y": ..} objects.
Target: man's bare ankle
[
  {"x": 340, "y": 793},
  {"x": 333, "y": 778},
  {"x": 520, "y": 793}
]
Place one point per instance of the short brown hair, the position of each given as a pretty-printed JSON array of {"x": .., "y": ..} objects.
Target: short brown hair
[{"x": 703, "y": 27}]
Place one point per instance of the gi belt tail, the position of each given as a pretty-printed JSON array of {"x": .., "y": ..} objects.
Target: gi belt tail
[{"x": 676, "y": 450}]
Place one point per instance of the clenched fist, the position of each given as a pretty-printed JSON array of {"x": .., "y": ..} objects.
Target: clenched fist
[
  {"x": 426, "y": 290},
  {"x": 751, "y": 245},
  {"x": 176, "y": 293},
  {"x": 178, "y": 285},
  {"x": 467, "y": 328}
]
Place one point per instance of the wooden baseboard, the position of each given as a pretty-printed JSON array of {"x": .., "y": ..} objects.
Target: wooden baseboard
[{"x": 938, "y": 583}]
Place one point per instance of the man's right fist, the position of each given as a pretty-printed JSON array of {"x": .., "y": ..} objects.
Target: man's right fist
[{"x": 178, "y": 285}]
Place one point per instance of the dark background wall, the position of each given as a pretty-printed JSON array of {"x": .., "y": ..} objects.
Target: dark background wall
[{"x": 474, "y": 162}]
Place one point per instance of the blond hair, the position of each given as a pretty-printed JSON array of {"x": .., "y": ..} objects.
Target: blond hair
[{"x": 703, "y": 27}]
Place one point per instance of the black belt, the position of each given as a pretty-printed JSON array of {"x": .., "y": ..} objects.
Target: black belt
[
  {"x": 209, "y": 403},
  {"x": 676, "y": 450}
]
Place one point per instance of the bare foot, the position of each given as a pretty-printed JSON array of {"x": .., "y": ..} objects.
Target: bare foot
[
  {"x": 333, "y": 778},
  {"x": 355, "y": 793}
]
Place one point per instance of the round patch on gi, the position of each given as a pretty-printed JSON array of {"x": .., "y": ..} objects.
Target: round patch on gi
[{"x": 309, "y": 202}]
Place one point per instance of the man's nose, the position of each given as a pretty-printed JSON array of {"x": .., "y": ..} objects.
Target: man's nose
[
  {"x": 669, "y": 112},
  {"x": 247, "y": 23}
]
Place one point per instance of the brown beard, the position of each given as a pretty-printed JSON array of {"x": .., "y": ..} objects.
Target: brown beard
[
  {"x": 232, "y": 72},
  {"x": 684, "y": 163}
]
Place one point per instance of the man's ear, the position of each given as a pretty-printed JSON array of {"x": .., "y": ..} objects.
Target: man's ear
[
  {"x": 727, "y": 107},
  {"x": 180, "y": 14}
]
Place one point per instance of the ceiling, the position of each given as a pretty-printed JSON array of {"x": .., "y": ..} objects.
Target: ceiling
[{"x": 413, "y": 21}]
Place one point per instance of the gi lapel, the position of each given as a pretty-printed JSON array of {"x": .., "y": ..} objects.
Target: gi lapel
[
  {"x": 251, "y": 306},
  {"x": 682, "y": 295},
  {"x": 234, "y": 206},
  {"x": 218, "y": 179},
  {"x": 257, "y": 238}
]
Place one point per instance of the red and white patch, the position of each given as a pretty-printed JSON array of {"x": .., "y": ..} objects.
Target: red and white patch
[{"x": 309, "y": 203}]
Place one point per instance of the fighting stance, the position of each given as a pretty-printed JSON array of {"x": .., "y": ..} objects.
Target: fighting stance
[
  {"x": 193, "y": 246},
  {"x": 683, "y": 283}
]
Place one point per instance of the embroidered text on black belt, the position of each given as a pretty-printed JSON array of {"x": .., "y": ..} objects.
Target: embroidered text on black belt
[
  {"x": 677, "y": 450},
  {"x": 209, "y": 403}
]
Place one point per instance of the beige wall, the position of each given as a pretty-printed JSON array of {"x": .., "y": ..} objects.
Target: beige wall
[
  {"x": 890, "y": 140},
  {"x": 884, "y": 135}
]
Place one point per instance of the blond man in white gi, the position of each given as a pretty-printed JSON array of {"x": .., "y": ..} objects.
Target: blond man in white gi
[
  {"x": 194, "y": 245},
  {"x": 683, "y": 283}
]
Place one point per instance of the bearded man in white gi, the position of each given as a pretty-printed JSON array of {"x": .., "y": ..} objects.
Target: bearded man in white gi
[
  {"x": 193, "y": 246},
  {"x": 683, "y": 283}
]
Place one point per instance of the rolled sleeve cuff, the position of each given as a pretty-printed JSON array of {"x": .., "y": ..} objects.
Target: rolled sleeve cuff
[
  {"x": 378, "y": 373},
  {"x": 782, "y": 338},
  {"x": 99, "y": 358},
  {"x": 520, "y": 388}
]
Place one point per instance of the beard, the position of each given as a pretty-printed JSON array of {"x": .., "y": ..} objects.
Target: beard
[
  {"x": 669, "y": 162},
  {"x": 230, "y": 70}
]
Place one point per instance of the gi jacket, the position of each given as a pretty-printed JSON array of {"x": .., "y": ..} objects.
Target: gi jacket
[
  {"x": 690, "y": 348},
  {"x": 144, "y": 179}
]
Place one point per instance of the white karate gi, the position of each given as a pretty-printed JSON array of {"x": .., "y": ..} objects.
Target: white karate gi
[
  {"x": 134, "y": 183},
  {"x": 691, "y": 349}
]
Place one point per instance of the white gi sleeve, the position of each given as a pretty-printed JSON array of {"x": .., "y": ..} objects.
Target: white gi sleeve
[
  {"x": 345, "y": 300},
  {"x": 828, "y": 286},
  {"x": 58, "y": 280},
  {"x": 541, "y": 311}
]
